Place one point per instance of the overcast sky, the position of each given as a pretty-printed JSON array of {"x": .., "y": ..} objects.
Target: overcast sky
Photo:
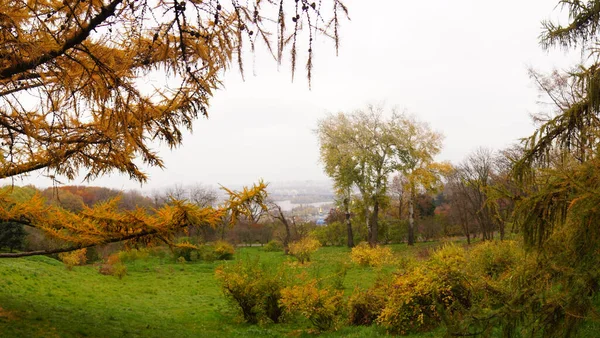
[{"x": 460, "y": 65}]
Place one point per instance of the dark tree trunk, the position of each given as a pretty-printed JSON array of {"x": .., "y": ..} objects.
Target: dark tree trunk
[
  {"x": 348, "y": 224},
  {"x": 276, "y": 212},
  {"x": 400, "y": 207},
  {"x": 411, "y": 220},
  {"x": 288, "y": 236},
  {"x": 373, "y": 225}
]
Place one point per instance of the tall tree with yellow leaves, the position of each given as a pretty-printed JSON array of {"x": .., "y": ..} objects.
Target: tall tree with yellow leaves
[
  {"x": 73, "y": 98},
  {"x": 360, "y": 150},
  {"x": 421, "y": 173}
]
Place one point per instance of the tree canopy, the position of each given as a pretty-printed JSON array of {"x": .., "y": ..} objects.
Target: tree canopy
[
  {"x": 75, "y": 98},
  {"x": 362, "y": 149}
]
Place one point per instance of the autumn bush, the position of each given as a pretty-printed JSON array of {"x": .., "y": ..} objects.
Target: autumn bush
[
  {"x": 418, "y": 298},
  {"x": 113, "y": 266},
  {"x": 223, "y": 250},
  {"x": 515, "y": 293},
  {"x": 73, "y": 258},
  {"x": 255, "y": 288},
  {"x": 219, "y": 250},
  {"x": 321, "y": 306},
  {"x": 492, "y": 259},
  {"x": 303, "y": 248},
  {"x": 186, "y": 249},
  {"x": 273, "y": 246},
  {"x": 364, "y": 306},
  {"x": 365, "y": 255}
]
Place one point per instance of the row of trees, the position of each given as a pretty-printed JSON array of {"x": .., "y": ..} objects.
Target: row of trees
[
  {"x": 383, "y": 164},
  {"x": 471, "y": 198},
  {"x": 362, "y": 149}
]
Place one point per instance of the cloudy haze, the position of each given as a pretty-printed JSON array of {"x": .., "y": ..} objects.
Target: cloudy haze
[{"x": 459, "y": 65}]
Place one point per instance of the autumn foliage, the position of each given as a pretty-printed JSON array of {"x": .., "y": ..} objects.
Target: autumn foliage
[
  {"x": 303, "y": 249},
  {"x": 365, "y": 255},
  {"x": 321, "y": 306},
  {"x": 106, "y": 223},
  {"x": 255, "y": 289},
  {"x": 75, "y": 99}
]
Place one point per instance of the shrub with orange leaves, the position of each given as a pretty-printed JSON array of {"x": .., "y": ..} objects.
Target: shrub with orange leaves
[{"x": 113, "y": 266}]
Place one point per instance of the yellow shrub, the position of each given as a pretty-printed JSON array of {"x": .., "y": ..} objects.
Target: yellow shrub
[
  {"x": 224, "y": 250},
  {"x": 492, "y": 259},
  {"x": 255, "y": 288},
  {"x": 320, "y": 306},
  {"x": 303, "y": 248},
  {"x": 417, "y": 297},
  {"x": 73, "y": 258},
  {"x": 273, "y": 246},
  {"x": 363, "y": 254}
]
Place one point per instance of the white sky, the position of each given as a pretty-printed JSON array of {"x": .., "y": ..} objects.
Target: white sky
[{"x": 460, "y": 65}]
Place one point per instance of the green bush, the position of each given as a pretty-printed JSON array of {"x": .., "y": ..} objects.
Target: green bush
[
  {"x": 160, "y": 252},
  {"x": 334, "y": 233},
  {"x": 119, "y": 270},
  {"x": 501, "y": 273},
  {"x": 220, "y": 250},
  {"x": 207, "y": 253},
  {"x": 12, "y": 235},
  {"x": 134, "y": 255},
  {"x": 273, "y": 246}
]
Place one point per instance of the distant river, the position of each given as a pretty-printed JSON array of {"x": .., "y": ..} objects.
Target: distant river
[{"x": 288, "y": 205}]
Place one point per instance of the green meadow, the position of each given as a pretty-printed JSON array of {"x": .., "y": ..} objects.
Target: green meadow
[{"x": 39, "y": 297}]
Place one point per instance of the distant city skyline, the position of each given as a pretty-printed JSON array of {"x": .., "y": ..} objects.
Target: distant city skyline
[{"x": 460, "y": 66}]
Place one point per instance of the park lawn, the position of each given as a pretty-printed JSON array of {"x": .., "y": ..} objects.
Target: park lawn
[
  {"x": 161, "y": 298},
  {"x": 40, "y": 298}
]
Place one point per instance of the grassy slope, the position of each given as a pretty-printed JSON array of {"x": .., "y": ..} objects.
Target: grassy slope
[{"x": 40, "y": 298}]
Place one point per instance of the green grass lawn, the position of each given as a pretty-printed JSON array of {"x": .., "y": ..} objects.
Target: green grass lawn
[{"x": 40, "y": 298}]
